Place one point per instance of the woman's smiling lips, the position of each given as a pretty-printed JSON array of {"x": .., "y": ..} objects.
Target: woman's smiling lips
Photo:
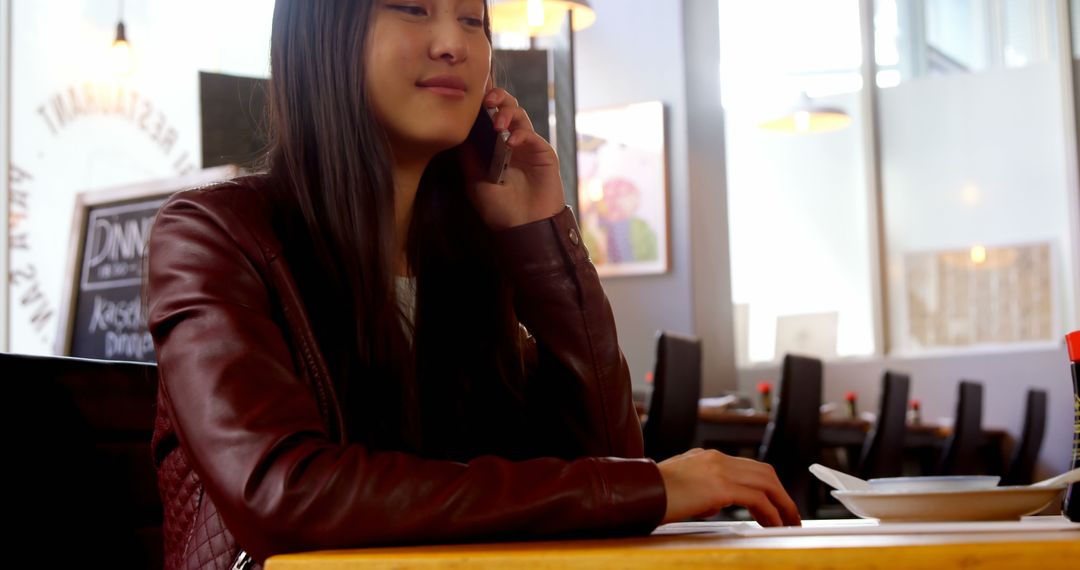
[{"x": 447, "y": 85}]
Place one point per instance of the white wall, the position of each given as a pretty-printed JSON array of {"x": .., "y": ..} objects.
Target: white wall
[
  {"x": 634, "y": 53},
  {"x": 60, "y": 47},
  {"x": 1006, "y": 377}
]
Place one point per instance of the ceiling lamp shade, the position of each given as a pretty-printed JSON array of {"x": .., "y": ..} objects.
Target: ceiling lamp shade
[
  {"x": 539, "y": 17},
  {"x": 808, "y": 117}
]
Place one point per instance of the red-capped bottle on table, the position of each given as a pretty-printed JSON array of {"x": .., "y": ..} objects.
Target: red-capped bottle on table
[
  {"x": 852, "y": 407},
  {"x": 765, "y": 390},
  {"x": 1071, "y": 508}
]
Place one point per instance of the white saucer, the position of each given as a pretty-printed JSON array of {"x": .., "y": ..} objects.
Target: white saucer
[{"x": 999, "y": 503}]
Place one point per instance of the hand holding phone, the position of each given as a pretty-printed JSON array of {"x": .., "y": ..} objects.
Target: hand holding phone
[
  {"x": 504, "y": 197},
  {"x": 490, "y": 145}
]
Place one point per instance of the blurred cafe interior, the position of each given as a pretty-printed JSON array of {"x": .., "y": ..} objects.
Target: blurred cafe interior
[{"x": 860, "y": 208}]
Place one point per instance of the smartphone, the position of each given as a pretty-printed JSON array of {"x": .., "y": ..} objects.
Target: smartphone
[{"x": 490, "y": 145}]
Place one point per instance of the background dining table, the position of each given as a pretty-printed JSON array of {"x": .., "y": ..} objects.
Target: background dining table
[
  {"x": 735, "y": 431},
  {"x": 741, "y": 431}
]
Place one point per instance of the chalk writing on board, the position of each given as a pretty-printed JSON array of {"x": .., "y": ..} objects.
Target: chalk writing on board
[
  {"x": 114, "y": 245},
  {"x": 124, "y": 328},
  {"x": 109, "y": 321}
]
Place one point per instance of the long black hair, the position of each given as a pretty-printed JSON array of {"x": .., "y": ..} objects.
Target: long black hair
[{"x": 329, "y": 167}]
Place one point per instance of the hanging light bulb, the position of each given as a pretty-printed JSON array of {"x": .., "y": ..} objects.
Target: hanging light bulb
[{"x": 120, "y": 53}]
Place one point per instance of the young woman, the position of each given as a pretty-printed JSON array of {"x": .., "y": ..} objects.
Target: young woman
[{"x": 369, "y": 345}]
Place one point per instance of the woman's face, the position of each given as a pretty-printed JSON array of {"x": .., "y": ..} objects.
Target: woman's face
[{"x": 426, "y": 69}]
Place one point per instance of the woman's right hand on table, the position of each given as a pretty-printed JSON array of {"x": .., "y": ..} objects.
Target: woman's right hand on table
[{"x": 699, "y": 483}]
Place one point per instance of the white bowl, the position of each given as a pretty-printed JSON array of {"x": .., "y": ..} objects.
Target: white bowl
[{"x": 941, "y": 483}]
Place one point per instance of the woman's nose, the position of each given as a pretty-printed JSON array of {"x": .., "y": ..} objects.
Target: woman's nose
[{"x": 448, "y": 41}]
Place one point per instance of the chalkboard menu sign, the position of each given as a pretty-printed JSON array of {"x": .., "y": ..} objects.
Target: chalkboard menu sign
[{"x": 102, "y": 309}]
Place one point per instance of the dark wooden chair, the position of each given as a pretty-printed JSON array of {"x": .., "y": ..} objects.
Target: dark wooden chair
[
  {"x": 673, "y": 409},
  {"x": 791, "y": 440},
  {"x": 1021, "y": 468},
  {"x": 80, "y": 460},
  {"x": 961, "y": 454},
  {"x": 882, "y": 454}
]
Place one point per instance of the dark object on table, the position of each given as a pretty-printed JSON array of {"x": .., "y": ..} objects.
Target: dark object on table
[
  {"x": 1022, "y": 466},
  {"x": 881, "y": 455},
  {"x": 791, "y": 442},
  {"x": 673, "y": 410},
  {"x": 1071, "y": 508},
  {"x": 84, "y": 479},
  {"x": 961, "y": 453}
]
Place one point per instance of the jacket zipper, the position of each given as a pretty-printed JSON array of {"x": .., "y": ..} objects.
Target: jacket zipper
[{"x": 243, "y": 561}]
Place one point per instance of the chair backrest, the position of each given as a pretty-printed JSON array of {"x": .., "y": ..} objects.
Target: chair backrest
[
  {"x": 1021, "y": 469},
  {"x": 673, "y": 409},
  {"x": 83, "y": 458},
  {"x": 791, "y": 443},
  {"x": 882, "y": 453},
  {"x": 960, "y": 455}
]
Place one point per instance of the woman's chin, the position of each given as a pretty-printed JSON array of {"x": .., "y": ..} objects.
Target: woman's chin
[
  {"x": 442, "y": 142},
  {"x": 429, "y": 141}
]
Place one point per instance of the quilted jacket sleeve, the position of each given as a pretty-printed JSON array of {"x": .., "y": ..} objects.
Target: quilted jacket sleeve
[{"x": 254, "y": 435}]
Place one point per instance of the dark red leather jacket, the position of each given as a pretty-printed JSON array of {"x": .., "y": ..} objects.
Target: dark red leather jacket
[{"x": 250, "y": 441}]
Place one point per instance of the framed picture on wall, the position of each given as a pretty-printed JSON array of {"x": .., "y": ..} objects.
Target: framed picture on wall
[
  {"x": 622, "y": 188},
  {"x": 101, "y": 309}
]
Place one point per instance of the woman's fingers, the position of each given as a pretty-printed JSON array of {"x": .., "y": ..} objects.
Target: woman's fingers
[
  {"x": 767, "y": 481},
  {"x": 513, "y": 118},
  {"x": 703, "y": 481},
  {"x": 747, "y": 487},
  {"x": 763, "y": 511},
  {"x": 510, "y": 114},
  {"x": 781, "y": 502},
  {"x": 498, "y": 97},
  {"x": 520, "y": 126},
  {"x": 789, "y": 513}
]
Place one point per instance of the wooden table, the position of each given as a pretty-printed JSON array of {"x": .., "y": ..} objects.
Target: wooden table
[{"x": 1045, "y": 550}]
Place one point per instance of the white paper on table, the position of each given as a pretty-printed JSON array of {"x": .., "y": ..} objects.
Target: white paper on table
[
  {"x": 718, "y": 402},
  {"x": 829, "y": 527}
]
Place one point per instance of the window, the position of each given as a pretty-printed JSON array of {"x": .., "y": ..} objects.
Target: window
[
  {"x": 974, "y": 175},
  {"x": 800, "y": 237}
]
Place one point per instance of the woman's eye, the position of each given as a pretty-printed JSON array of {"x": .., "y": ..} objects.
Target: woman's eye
[
  {"x": 410, "y": 10},
  {"x": 473, "y": 22}
]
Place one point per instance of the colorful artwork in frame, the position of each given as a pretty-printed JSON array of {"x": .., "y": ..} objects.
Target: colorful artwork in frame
[{"x": 622, "y": 188}]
